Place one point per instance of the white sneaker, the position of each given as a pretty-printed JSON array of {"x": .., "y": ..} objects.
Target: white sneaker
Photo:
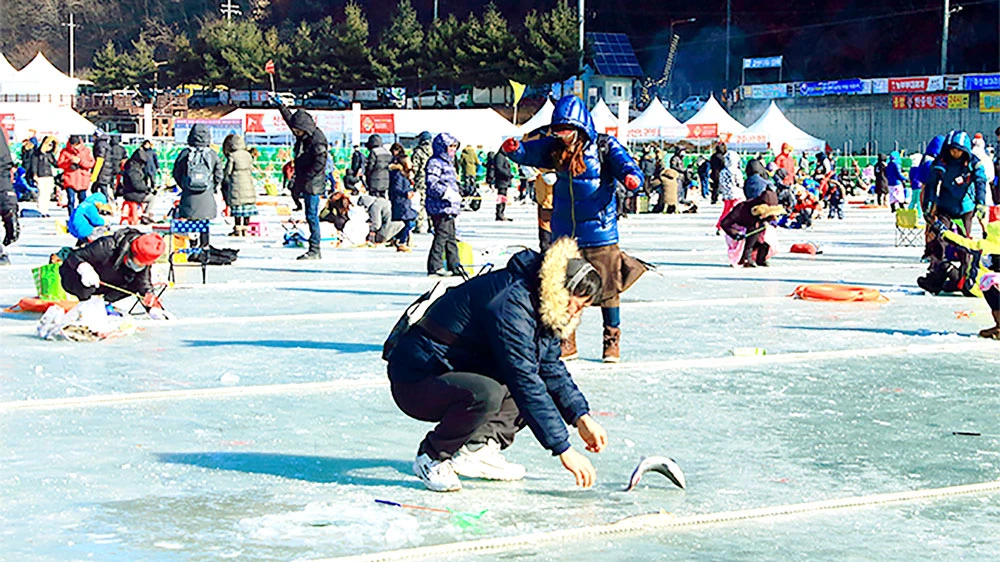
[
  {"x": 486, "y": 462},
  {"x": 438, "y": 476}
]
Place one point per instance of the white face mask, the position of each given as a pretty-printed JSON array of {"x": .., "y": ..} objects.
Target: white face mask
[{"x": 133, "y": 265}]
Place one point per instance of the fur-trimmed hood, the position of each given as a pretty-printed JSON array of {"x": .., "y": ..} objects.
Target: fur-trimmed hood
[{"x": 553, "y": 296}]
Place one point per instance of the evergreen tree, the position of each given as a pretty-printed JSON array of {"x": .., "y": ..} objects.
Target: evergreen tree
[
  {"x": 440, "y": 59},
  {"x": 488, "y": 52},
  {"x": 550, "y": 47},
  {"x": 349, "y": 55},
  {"x": 107, "y": 73},
  {"x": 235, "y": 53},
  {"x": 398, "y": 55}
]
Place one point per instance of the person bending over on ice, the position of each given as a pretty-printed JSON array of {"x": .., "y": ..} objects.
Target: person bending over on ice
[
  {"x": 746, "y": 223},
  {"x": 86, "y": 223},
  {"x": 955, "y": 190},
  {"x": 584, "y": 207},
  {"x": 484, "y": 362},
  {"x": 121, "y": 259},
  {"x": 989, "y": 283}
]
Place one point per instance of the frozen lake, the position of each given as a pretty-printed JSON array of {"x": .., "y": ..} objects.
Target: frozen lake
[{"x": 259, "y": 426}]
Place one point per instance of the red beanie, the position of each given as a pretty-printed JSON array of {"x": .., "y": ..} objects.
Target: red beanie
[{"x": 147, "y": 248}]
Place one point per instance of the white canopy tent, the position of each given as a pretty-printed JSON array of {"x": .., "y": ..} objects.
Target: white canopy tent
[
  {"x": 40, "y": 77},
  {"x": 714, "y": 114},
  {"x": 773, "y": 129},
  {"x": 41, "y": 119},
  {"x": 541, "y": 118},
  {"x": 603, "y": 118},
  {"x": 656, "y": 123}
]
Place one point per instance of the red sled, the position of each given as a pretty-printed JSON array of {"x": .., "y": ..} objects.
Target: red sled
[
  {"x": 994, "y": 214},
  {"x": 804, "y": 248}
]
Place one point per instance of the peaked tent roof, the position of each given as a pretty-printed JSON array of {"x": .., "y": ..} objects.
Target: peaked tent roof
[
  {"x": 541, "y": 118},
  {"x": 773, "y": 128},
  {"x": 654, "y": 123},
  {"x": 603, "y": 118},
  {"x": 46, "y": 78},
  {"x": 40, "y": 119},
  {"x": 713, "y": 114},
  {"x": 7, "y": 70}
]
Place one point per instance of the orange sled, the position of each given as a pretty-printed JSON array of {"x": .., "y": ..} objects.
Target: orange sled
[
  {"x": 838, "y": 293},
  {"x": 35, "y": 304}
]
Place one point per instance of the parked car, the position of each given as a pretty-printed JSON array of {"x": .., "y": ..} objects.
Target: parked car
[
  {"x": 692, "y": 103},
  {"x": 432, "y": 98},
  {"x": 325, "y": 100},
  {"x": 205, "y": 99},
  {"x": 287, "y": 98}
]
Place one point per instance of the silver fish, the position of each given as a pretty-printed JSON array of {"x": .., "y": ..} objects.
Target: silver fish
[{"x": 664, "y": 465}]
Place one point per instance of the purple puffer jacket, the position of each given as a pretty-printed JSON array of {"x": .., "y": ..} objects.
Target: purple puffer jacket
[{"x": 443, "y": 196}]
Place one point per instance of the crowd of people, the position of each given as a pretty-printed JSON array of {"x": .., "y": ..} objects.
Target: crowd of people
[{"x": 486, "y": 358}]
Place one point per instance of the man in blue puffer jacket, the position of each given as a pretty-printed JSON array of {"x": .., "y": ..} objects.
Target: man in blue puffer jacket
[
  {"x": 956, "y": 186},
  {"x": 483, "y": 362},
  {"x": 444, "y": 203},
  {"x": 584, "y": 202}
]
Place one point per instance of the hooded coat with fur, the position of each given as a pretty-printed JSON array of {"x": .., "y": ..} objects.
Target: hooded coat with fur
[
  {"x": 507, "y": 325},
  {"x": 585, "y": 206}
]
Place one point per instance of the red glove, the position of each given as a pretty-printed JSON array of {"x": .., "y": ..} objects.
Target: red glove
[
  {"x": 632, "y": 182},
  {"x": 510, "y": 145},
  {"x": 150, "y": 301}
]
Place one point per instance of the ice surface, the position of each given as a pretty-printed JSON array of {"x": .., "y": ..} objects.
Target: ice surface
[{"x": 292, "y": 473}]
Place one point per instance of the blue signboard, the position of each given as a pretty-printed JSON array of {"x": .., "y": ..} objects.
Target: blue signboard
[
  {"x": 765, "y": 62},
  {"x": 982, "y": 81},
  {"x": 833, "y": 87},
  {"x": 219, "y": 128}
]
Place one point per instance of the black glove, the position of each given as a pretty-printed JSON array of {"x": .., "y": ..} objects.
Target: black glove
[
  {"x": 11, "y": 228},
  {"x": 938, "y": 227},
  {"x": 739, "y": 236}
]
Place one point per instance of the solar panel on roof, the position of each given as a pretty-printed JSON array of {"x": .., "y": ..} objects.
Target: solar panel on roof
[{"x": 613, "y": 55}]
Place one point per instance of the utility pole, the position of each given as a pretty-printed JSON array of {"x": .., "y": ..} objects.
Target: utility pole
[
  {"x": 944, "y": 37},
  {"x": 229, "y": 10},
  {"x": 729, "y": 20},
  {"x": 581, "y": 8},
  {"x": 435, "y": 10},
  {"x": 72, "y": 43}
]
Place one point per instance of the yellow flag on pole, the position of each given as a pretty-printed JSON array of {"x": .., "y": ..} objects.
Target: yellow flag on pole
[{"x": 518, "y": 90}]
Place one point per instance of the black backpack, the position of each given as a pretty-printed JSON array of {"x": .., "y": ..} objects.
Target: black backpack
[{"x": 413, "y": 314}]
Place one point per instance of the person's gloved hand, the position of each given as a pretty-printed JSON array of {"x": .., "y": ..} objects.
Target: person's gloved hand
[
  {"x": 938, "y": 227},
  {"x": 275, "y": 99},
  {"x": 739, "y": 236},
  {"x": 550, "y": 178},
  {"x": 632, "y": 182},
  {"x": 149, "y": 300},
  {"x": 88, "y": 277},
  {"x": 510, "y": 145}
]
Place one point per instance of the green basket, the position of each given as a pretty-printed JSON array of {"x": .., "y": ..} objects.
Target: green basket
[{"x": 48, "y": 283}]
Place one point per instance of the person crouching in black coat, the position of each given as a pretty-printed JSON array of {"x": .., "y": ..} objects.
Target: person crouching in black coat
[
  {"x": 483, "y": 362},
  {"x": 119, "y": 261}
]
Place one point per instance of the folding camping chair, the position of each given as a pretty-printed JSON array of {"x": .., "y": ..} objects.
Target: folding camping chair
[
  {"x": 190, "y": 229},
  {"x": 908, "y": 231}
]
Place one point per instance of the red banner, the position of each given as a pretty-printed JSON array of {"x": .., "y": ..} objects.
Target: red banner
[
  {"x": 7, "y": 124},
  {"x": 254, "y": 123},
  {"x": 931, "y": 101},
  {"x": 703, "y": 131},
  {"x": 378, "y": 123},
  {"x": 905, "y": 85}
]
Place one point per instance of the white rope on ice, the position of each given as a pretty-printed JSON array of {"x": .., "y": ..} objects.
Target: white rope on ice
[
  {"x": 190, "y": 394},
  {"x": 645, "y": 524},
  {"x": 575, "y": 368}
]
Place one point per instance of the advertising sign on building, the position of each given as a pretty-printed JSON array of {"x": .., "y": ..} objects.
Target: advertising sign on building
[
  {"x": 982, "y": 81},
  {"x": 378, "y": 123},
  {"x": 768, "y": 91},
  {"x": 989, "y": 102},
  {"x": 906, "y": 85},
  {"x": 880, "y": 85},
  {"x": 931, "y": 101},
  {"x": 765, "y": 62},
  {"x": 952, "y": 83},
  {"x": 835, "y": 87}
]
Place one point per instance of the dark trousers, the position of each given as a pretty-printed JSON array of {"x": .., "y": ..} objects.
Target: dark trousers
[
  {"x": 312, "y": 217},
  {"x": 501, "y": 202},
  {"x": 544, "y": 239},
  {"x": 754, "y": 250},
  {"x": 73, "y": 199},
  {"x": 444, "y": 246},
  {"x": 468, "y": 408},
  {"x": 992, "y": 297},
  {"x": 404, "y": 235}
]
